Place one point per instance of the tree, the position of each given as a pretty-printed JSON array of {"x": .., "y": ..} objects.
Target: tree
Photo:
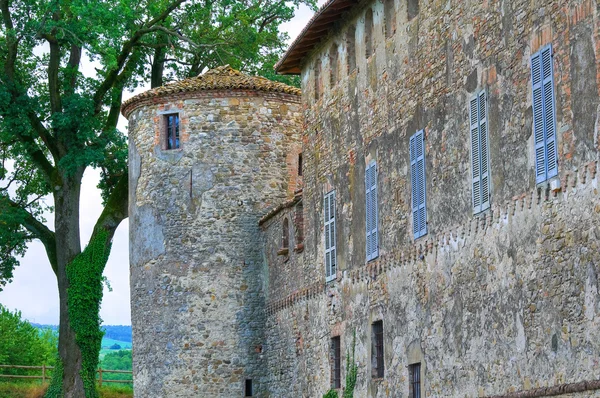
[
  {"x": 55, "y": 122},
  {"x": 23, "y": 344}
]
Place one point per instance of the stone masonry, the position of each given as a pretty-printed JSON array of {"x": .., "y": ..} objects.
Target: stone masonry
[
  {"x": 228, "y": 276},
  {"x": 196, "y": 260},
  {"x": 503, "y": 303}
]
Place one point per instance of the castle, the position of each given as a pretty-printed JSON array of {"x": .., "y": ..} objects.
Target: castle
[{"x": 429, "y": 200}]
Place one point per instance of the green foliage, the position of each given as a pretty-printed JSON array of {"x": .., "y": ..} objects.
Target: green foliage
[
  {"x": 331, "y": 394},
  {"x": 23, "y": 344},
  {"x": 85, "y": 295},
  {"x": 119, "y": 360},
  {"x": 243, "y": 34},
  {"x": 351, "y": 371},
  {"x": 55, "y": 388}
]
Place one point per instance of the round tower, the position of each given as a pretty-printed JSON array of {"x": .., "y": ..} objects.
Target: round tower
[{"x": 208, "y": 156}]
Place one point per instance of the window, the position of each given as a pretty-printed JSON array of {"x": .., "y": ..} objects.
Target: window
[
  {"x": 333, "y": 64},
  {"x": 414, "y": 377},
  {"x": 248, "y": 388},
  {"x": 369, "y": 33},
  {"x": 480, "y": 174},
  {"x": 372, "y": 241},
  {"x": 300, "y": 164},
  {"x": 329, "y": 230},
  {"x": 417, "y": 178},
  {"x": 336, "y": 365},
  {"x": 317, "y": 79},
  {"x": 172, "y": 131},
  {"x": 350, "y": 48},
  {"x": 285, "y": 241},
  {"x": 390, "y": 18},
  {"x": 413, "y": 8},
  {"x": 544, "y": 115},
  {"x": 299, "y": 225},
  {"x": 377, "y": 350}
]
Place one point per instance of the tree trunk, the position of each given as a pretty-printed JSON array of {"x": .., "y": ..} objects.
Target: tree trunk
[
  {"x": 80, "y": 287},
  {"x": 68, "y": 244},
  {"x": 158, "y": 67}
]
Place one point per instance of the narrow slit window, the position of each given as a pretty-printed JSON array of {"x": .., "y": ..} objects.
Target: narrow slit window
[
  {"x": 351, "y": 48},
  {"x": 368, "y": 33},
  {"x": 172, "y": 131},
  {"x": 333, "y": 65},
  {"x": 413, "y": 8},
  {"x": 336, "y": 365},
  {"x": 248, "y": 388},
  {"x": 377, "y": 362},
  {"x": 300, "y": 164},
  {"x": 390, "y": 18},
  {"x": 414, "y": 375},
  {"x": 317, "y": 80},
  {"x": 285, "y": 239}
]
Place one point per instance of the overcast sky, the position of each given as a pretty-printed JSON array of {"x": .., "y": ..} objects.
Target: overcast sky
[{"x": 34, "y": 291}]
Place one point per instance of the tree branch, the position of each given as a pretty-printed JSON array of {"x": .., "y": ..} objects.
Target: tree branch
[
  {"x": 12, "y": 42},
  {"x": 37, "y": 229},
  {"x": 112, "y": 76},
  {"x": 53, "y": 79},
  {"x": 116, "y": 209}
]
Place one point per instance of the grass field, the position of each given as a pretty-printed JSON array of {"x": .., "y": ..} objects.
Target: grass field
[
  {"x": 109, "y": 342},
  {"x": 106, "y": 343},
  {"x": 37, "y": 390}
]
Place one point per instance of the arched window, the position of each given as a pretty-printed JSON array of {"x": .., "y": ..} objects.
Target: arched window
[
  {"x": 285, "y": 240},
  {"x": 350, "y": 48},
  {"x": 369, "y": 33}
]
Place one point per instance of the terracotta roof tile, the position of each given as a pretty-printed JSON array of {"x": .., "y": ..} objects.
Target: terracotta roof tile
[
  {"x": 315, "y": 30},
  {"x": 221, "y": 78}
]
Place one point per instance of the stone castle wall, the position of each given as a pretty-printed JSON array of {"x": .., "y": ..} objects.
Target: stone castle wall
[
  {"x": 490, "y": 304},
  {"x": 196, "y": 260}
]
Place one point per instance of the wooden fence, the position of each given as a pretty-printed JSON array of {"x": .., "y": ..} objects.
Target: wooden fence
[{"x": 44, "y": 376}]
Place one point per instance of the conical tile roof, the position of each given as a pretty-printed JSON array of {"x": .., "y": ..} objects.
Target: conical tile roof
[{"x": 220, "y": 78}]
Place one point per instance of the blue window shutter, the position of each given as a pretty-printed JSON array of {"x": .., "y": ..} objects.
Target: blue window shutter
[
  {"x": 418, "y": 182},
  {"x": 549, "y": 112},
  {"x": 329, "y": 232},
  {"x": 475, "y": 161},
  {"x": 374, "y": 215},
  {"x": 538, "y": 119},
  {"x": 368, "y": 212},
  {"x": 332, "y": 249},
  {"x": 484, "y": 160},
  {"x": 371, "y": 237},
  {"x": 420, "y": 146}
]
